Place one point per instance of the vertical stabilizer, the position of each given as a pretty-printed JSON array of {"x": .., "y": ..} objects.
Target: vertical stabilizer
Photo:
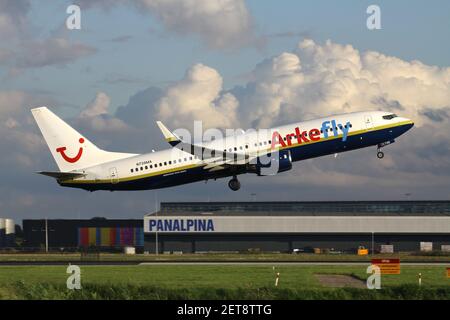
[{"x": 70, "y": 149}]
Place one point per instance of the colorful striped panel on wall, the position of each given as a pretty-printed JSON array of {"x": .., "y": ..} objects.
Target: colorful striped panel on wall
[
  {"x": 92, "y": 236},
  {"x": 105, "y": 240},
  {"x": 83, "y": 237},
  {"x": 139, "y": 237},
  {"x": 110, "y": 237}
]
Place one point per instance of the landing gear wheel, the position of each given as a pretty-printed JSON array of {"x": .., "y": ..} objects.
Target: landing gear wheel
[
  {"x": 234, "y": 184},
  {"x": 380, "y": 154}
]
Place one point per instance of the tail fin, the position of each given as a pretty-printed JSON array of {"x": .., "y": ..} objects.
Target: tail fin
[{"x": 70, "y": 149}]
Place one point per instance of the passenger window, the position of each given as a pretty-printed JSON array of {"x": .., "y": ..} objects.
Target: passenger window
[
  {"x": 190, "y": 158},
  {"x": 132, "y": 170},
  {"x": 142, "y": 168},
  {"x": 151, "y": 166},
  {"x": 146, "y": 167},
  {"x": 246, "y": 146},
  {"x": 170, "y": 162}
]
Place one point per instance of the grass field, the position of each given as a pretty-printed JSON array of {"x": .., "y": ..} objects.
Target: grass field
[
  {"x": 275, "y": 257},
  {"x": 215, "y": 282}
]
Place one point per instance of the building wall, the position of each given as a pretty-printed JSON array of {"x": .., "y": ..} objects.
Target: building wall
[
  {"x": 297, "y": 224},
  {"x": 190, "y": 243},
  {"x": 65, "y": 232}
]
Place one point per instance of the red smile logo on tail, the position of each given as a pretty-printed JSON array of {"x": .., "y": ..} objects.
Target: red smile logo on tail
[{"x": 69, "y": 159}]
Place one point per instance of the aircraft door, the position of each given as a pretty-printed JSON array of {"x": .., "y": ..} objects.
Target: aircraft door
[
  {"x": 113, "y": 175},
  {"x": 368, "y": 121}
]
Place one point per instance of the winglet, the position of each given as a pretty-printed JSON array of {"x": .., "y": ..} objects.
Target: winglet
[{"x": 168, "y": 135}]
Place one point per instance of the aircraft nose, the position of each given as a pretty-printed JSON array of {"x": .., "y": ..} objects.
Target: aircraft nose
[{"x": 409, "y": 124}]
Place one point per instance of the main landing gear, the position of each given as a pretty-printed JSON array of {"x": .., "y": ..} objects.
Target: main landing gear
[{"x": 234, "y": 184}]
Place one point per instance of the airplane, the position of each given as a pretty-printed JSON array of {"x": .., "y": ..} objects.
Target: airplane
[{"x": 83, "y": 165}]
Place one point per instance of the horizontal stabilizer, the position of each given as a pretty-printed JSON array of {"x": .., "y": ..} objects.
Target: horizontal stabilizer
[{"x": 62, "y": 175}]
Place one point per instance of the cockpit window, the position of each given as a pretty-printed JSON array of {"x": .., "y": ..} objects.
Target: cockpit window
[{"x": 390, "y": 116}]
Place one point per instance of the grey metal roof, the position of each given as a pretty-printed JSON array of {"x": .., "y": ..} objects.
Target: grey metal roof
[{"x": 306, "y": 208}]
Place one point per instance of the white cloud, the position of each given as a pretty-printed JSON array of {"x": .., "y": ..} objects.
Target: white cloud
[
  {"x": 13, "y": 18},
  {"x": 52, "y": 51},
  {"x": 95, "y": 115},
  {"x": 21, "y": 48},
  {"x": 98, "y": 106},
  {"x": 318, "y": 80},
  {"x": 198, "y": 96},
  {"x": 221, "y": 24}
]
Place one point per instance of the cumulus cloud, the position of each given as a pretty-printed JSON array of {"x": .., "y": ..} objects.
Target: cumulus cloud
[
  {"x": 198, "y": 96},
  {"x": 221, "y": 24},
  {"x": 96, "y": 116},
  {"x": 19, "y": 142},
  {"x": 13, "y": 18},
  {"x": 52, "y": 51},
  {"x": 316, "y": 80},
  {"x": 21, "y": 48}
]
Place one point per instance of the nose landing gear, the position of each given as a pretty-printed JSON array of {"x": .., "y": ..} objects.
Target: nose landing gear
[
  {"x": 234, "y": 184},
  {"x": 380, "y": 154}
]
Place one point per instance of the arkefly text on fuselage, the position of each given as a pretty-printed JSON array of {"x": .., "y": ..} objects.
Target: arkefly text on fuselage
[{"x": 84, "y": 165}]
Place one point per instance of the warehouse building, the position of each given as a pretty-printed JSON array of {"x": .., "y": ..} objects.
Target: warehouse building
[
  {"x": 67, "y": 234},
  {"x": 301, "y": 226}
]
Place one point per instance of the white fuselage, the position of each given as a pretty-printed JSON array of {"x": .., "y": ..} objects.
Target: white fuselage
[{"x": 304, "y": 140}]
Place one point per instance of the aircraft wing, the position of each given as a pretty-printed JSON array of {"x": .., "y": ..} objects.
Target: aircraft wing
[
  {"x": 62, "y": 175},
  {"x": 198, "y": 150},
  {"x": 213, "y": 159}
]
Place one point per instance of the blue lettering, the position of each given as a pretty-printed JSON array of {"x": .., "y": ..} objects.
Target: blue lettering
[
  {"x": 201, "y": 225},
  {"x": 333, "y": 126},
  {"x": 152, "y": 224},
  {"x": 345, "y": 129},
  {"x": 210, "y": 225},
  {"x": 167, "y": 225},
  {"x": 325, "y": 129},
  {"x": 185, "y": 225}
]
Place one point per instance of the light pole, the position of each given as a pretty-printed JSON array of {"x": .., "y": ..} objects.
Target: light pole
[
  {"x": 156, "y": 231},
  {"x": 46, "y": 235},
  {"x": 373, "y": 245}
]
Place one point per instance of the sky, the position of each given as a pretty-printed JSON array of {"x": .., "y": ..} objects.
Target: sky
[{"x": 231, "y": 64}]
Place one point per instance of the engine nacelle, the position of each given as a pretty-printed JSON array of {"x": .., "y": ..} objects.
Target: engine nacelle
[{"x": 272, "y": 163}]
